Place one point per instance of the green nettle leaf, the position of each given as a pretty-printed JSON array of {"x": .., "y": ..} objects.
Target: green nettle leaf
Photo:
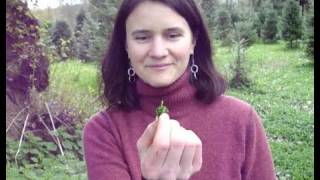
[
  {"x": 34, "y": 159},
  {"x": 67, "y": 145},
  {"x": 51, "y": 146},
  {"x": 161, "y": 109}
]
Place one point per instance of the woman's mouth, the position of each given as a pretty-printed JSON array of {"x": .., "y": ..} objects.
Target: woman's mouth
[{"x": 159, "y": 66}]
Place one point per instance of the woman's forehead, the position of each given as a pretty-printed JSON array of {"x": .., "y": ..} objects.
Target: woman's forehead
[{"x": 149, "y": 15}]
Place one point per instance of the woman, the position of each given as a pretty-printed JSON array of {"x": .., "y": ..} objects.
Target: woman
[{"x": 160, "y": 50}]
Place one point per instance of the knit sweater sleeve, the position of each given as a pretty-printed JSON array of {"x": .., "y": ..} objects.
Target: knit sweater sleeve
[
  {"x": 258, "y": 162},
  {"x": 102, "y": 154}
]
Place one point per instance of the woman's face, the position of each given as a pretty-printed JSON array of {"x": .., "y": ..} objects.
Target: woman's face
[{"x": 159, "y": 43}]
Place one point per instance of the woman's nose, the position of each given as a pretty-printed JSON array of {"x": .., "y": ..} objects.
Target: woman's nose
[{"x": 159, "y": 48}]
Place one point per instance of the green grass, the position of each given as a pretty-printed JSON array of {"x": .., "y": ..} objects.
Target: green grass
[
  {"x": 76, "y": 85},
  {"x": 282, "y": 92}
]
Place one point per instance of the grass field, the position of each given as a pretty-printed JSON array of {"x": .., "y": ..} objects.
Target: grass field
[{"x": 282, "y": 92}]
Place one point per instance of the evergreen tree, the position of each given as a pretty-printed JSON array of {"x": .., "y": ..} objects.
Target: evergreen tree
[
  {"x": 81, "y": 35},
  {"x": 291, "y": 23},
  {"x": 258, "y": 21},
  {"x": 309, "y": 34},
  {"x": 245, "y": 30},
  {"x": 242, "y": 21},
  {"x": 278, "y": 6},
  {"x": 79, "y": 23},
  {"x": 269, "y": 28},
  {"x": 223, "y": 26},
  {"x": 305, "y": 4},
  {"x": 209, "y": 8},
  {"x": 61, "y": 38},
  {"x": 102, "y": 16}
]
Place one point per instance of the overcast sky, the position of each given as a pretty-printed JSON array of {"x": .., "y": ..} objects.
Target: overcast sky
[{"x": 43, "y": 4}]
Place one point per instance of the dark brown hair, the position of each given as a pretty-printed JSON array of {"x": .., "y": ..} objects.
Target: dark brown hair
[{"x": 118, "y": 91}]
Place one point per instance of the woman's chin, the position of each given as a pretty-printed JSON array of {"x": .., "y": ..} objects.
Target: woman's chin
[{"x": 163, "y": 82}]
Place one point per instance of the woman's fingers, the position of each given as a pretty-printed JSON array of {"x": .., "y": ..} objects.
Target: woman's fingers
[
  {"x": 161, "y": 142},
  {"x": 169, "y": 151},
  {"x": 191, "y": 158},
  {"x": 146, "y": 138},
  {"x": 197, "y": 159},
  {"x": 177, "y": 142},
  {"x": 162, "y": 135},
  {"x": 187, "y": 156}
]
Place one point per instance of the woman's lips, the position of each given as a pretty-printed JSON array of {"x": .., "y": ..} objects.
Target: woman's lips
[{"x": 159, "y": 66}]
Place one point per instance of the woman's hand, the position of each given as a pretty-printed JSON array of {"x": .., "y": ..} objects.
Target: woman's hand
[{"x": 168, "y": 151}]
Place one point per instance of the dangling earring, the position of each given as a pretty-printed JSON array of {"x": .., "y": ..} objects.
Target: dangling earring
[
  {"x": 194, "y": 68},
  {"x": 131, "y": 74}
]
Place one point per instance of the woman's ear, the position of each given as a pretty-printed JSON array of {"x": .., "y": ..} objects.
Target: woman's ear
[
  {"x": 193, "y": 45},
  {"x": 194, "y": 40},
  {"x": 126, "y": 46}
]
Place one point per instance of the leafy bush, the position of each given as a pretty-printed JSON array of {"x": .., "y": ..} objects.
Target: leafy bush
[
  {"x": 26, "y": 65},
  {"x": 39, "y": 158}
]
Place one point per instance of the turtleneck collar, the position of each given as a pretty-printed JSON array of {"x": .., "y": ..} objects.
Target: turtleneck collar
[{"x": 176, "y": 96}]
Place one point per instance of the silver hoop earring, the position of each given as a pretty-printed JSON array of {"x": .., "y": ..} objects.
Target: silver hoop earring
[
  {"x": 194, "y": 68},
  {"x": 131, "y": 74}
]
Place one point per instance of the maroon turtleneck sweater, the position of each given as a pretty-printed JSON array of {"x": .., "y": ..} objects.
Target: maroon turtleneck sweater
[{"x": 234, "y": 142}]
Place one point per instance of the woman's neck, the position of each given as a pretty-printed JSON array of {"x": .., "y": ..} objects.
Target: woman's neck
[{"x": 176, "y": 96}]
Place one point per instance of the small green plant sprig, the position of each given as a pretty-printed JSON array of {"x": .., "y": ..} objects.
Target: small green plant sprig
[{"x": 161, "y": 109}]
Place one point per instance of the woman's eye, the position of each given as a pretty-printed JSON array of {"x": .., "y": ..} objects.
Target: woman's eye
[
  {"x": 174, "y": 36},
  {"x": 141, "y": 38}
]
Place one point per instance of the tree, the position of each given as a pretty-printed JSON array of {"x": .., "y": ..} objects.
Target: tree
[
  {"x": 81, "y": 37},
  {"x": 255, "y": 4},
  {"x": 101, "y": 20},
  {"x": 240, "y": 76},
  {"x": 309, "y": 34},
  {"x": 209, "y": 8},
  {"x": 305, "y": 4},
  {"x": 61, "y": 38},
  {"x": 269, "y": 28},
  {"x": 291, "y": 23},
  {"x": 278, "y": 6},
  {"x": 246, "y": 31},
  {"x": 79, "y": 22},
  {"x": 223, "y": 26}
]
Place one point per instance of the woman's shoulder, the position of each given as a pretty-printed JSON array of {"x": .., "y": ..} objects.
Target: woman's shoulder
[
  {"x": 238, "y": 109},
  {"x": 234, "y": 107},
  {"x": 104, "y": 118},
  {"x": 99, "y": 120},
  {"x": 231, "y": 102}
]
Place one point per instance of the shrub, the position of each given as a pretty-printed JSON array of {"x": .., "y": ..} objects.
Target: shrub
[{"x": 26, "y": 64}]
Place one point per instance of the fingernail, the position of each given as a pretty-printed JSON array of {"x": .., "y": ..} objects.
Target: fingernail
[{"x": 164, "y": 116}]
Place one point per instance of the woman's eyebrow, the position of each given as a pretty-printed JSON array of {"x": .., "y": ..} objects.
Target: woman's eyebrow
[
  {"x": 139, "y": 31},
  {"x": 175, "y": 29}
]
